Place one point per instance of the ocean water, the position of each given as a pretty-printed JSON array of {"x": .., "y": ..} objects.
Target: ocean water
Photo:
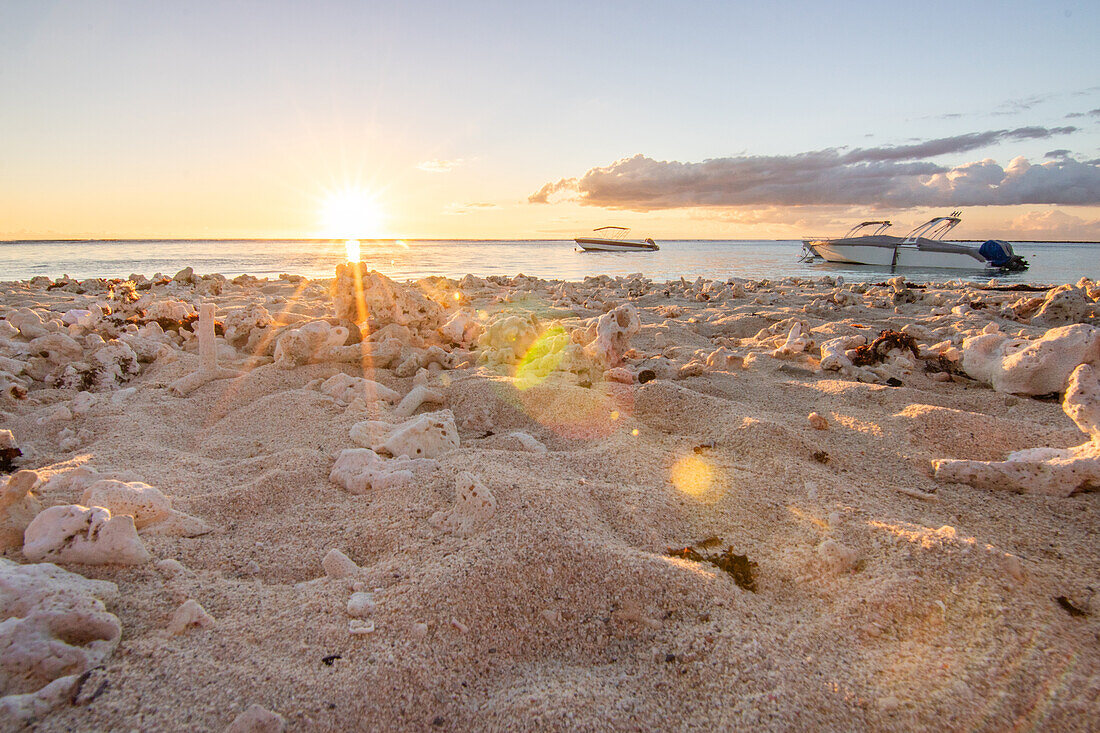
[{"x": 1051, "y": 262}]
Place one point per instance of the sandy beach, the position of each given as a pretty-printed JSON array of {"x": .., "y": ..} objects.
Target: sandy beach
[{"x": 518, "y": 504}]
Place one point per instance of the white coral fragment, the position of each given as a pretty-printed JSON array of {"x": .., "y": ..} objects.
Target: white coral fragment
[
  {"x": 346, "y": 389},
  {"x": 425, "y": 436},
  {"x": 149, "y": 507},
  {"x": 1034, "y": 367},
  {"x": 1049, "y": 471},
  {"x": 190, "y": 615},
  {"x": 361, "y": 469},
  {"x": 55, "y": 628},
  {"x": 79, "y": 534},
  {"x": 474, "y": 505}
]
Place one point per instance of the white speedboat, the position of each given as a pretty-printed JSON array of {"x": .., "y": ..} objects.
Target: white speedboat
[
  {"x": 922, "y": 247},
  {"x": 613, "y": 239}
]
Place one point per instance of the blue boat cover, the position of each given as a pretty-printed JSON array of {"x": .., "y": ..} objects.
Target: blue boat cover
[{"x": 996, "y": 251}]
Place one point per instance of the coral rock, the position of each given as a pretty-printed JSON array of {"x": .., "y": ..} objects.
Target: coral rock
[
  {"x": 346, "y": 389},
  {"x": 613, "y": 331},
  {"x": 425, "y": 436},
  {"x": 188, "y": 616},
  {"x": 78, "y": 534},
  {"x": 474, "y": 505},
  {"x": 337, "y": 565},
  {"x": 55, "y": 628},
  {"x": 18, "y": 507},
  {"x": 1049, "y": 471},
  {"x": 366, "y": 296},
  {"x": 257, "y": 719},
  {"x": 150, "y": 508},
  {"x": 361, "y": 469},
  {"x": 1034, "y": 367}
]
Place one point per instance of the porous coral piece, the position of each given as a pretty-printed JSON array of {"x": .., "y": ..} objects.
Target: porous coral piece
[
  {"x": 612, "y": 333},
  {"x": 461, "y": 328},
  {"x": 55, "y": 628},
  {"x": 239, "y": 323},
  {"x": 1037, "y": 367},
  {"x": 257, "y": 719},
  {"x": 312, "y": 342},
  {"x": 346, "y": 389},
  {"x": 107, "y": 368},
  {"x": 79, "y": 534},
  {"x": 361, "y": 469},
  {"x": 474, "y": 505},
  {"x": 425, "y": 436},
  {"x": 415, "y": 398},
  {"x": 366, "y": 296},
  {"x": 797, "y": 341},
  {"x": 150, "y": 508},
  {"x": 834, "y": 352},
  {"x": 169, "y": 310},
  {"x": 190, "y": 615},
  {"x": 18, "y": 507},
  {"x": 507, "y": 339},
  {"x": 1065, "y": 305},
  {"x": 1049, "y": 471}
]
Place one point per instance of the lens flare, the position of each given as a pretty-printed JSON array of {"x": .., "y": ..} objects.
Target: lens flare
[
  {"x": 541, "y": 358},
  {"x": 351, "y": 250},
  {"x": 694, "y": 476}
]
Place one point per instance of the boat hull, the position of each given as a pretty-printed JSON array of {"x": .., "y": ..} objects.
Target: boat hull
[
  {"x": 954, "y": 257},
  {"x": 614, "y": 245}
]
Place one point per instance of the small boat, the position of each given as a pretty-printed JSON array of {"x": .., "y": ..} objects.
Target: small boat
[
  {"x": 922, "y": 247},
  {"x": 613, "y": 239}
]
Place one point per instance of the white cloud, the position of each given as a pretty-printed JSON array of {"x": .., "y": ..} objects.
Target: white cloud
[
  {"x": 437, "y": 165},
  {"x": 458, "y": 209}
]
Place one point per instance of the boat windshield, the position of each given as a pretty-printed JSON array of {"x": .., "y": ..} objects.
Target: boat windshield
[{"x": 936, "y": 228}]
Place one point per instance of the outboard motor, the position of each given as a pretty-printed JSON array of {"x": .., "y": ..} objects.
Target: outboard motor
[{"x": 999, "y": 254}]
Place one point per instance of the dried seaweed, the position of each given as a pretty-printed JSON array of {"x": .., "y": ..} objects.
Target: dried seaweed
[
  {"x": 7, "y": 457},
  {"x": 940, "y": 363},
  {"x": 820, "y": 456},
  {"x": 739, "y": 567},
  {"x": 1071, "y": 609},
  {"x": 646, "y": 375},
  {"x": 876, "y": 351}
]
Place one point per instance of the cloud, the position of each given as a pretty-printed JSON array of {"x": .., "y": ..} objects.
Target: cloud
[
  {"x": 884, "y": 176},
  {"x": 1056, "y": 225},
  {"x": 552, "y": 189},
  {"x": 1015, "y": 106},
  {"x": 1090, "y": 113},
  {"x": 440, "y": 166},
  {"x": 1059, "y": 153},
  {"x": 458, "y": 209}
]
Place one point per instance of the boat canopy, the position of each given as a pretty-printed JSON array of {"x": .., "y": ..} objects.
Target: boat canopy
[
  {"x": 882, "y": 226},
  {"x": 613, "y": 232},
  {"x": 936, "y": 228}
]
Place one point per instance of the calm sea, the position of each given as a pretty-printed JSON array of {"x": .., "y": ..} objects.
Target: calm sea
[{"x": 1051, "y": 262}]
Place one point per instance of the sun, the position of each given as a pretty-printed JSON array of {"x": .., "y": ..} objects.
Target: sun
[{"x": 350, "y": 214}]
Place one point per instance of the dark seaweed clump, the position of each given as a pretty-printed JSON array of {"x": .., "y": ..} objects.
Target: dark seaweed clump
[
  {"x": 740, "y": 567},
  {"x": 876, "y": 351}
]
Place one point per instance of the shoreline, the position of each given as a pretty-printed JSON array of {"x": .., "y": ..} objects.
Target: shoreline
[{"x": 512, "y": 502}]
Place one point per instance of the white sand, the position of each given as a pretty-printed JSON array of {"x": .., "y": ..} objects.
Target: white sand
[{"x": 885, "y": 600}]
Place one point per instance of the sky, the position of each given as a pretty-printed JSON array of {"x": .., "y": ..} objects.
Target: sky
[{"x": 484, "y": 120}]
